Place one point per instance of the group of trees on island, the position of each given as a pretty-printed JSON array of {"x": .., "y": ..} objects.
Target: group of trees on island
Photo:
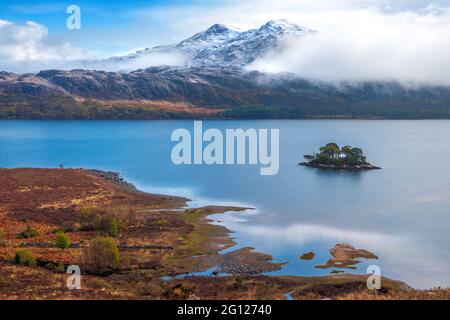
[{"x": 332, "y": 155}]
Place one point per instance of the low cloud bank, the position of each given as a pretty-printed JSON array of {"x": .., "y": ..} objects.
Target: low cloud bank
[
  {"x": 29, "y": 48},
  {"x": 167, "y": 58},
  {"x": 370, "y": 45}
]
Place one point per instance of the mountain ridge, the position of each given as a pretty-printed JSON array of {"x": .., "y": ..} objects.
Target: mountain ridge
[
  {"x": 215, "y": 84},
  {"x": 222, "y": 45},
  {"x": 209, "y": 92}
]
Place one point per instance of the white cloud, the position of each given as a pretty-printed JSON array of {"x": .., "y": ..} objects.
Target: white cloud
[
  {"x": 170, "y": 58},
  {"x": 27, "y": 48},
  {"x": 402, "y": 40},
  {"x": 179, "y": 21},
  {"x": 155, "y": 59},
  {"x": 30, "y": 48},
  {"x": 359, "y": 45}
]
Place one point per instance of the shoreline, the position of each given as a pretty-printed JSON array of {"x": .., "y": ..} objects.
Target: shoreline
[
  {"x": 167, "y": 239},
  {"x": 347, "y": 268},
  {"x": 219, "y": 240},
  {"x": 346, "y": 261},
  {"x": 365, "y": 167}
]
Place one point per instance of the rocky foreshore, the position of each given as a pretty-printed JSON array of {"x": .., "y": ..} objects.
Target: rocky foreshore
[{"x": 114, "y": 177}]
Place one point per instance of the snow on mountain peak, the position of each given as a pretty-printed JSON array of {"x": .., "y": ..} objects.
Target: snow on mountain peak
[
  {"x": 221, "y": 28},
  {"x": 282, "y": 25},
  {"x": 215, "y": 34},
  {"x": 222, "y": 45}
]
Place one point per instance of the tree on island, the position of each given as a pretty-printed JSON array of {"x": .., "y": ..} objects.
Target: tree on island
[{"x": 334, "y": 157}]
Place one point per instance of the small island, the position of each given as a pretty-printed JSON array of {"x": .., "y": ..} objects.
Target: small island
[{"x": 332, "y": 157}]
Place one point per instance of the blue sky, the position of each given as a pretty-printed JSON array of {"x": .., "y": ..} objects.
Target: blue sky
[
  {"x": 110, "y": 26},
  {"x": 107, "y": 25}
]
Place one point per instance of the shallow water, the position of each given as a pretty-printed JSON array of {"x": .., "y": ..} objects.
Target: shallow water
[{"x": 400, "y": 213}]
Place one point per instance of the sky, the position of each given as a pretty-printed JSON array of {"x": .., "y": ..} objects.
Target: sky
[{"x": 353, "y": 33}]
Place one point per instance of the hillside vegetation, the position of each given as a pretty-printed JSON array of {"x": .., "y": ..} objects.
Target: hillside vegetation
[{"x": 207, "y": 92}]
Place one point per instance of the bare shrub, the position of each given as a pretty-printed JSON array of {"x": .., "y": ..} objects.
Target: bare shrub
[{"x": 102, "y": 256}]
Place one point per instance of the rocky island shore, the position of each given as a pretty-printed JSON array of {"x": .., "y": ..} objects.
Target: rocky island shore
[
  {"x": 53, "y": 218},
  {"x": 362, "y": 167}
]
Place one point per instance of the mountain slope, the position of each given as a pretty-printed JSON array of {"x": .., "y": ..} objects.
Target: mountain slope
[
  {"x": 213, "y": 83},
  {"x": 221, "y": 45},
  {"x": 219, "y": 92}
]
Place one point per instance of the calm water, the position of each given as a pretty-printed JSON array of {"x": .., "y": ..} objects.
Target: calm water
[{"x": 400, "y": 213}]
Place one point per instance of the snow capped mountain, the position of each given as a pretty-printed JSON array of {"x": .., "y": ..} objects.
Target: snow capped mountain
[
  {"x": 213, "y": 78},
  {"x": 221, "y": 45}
]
